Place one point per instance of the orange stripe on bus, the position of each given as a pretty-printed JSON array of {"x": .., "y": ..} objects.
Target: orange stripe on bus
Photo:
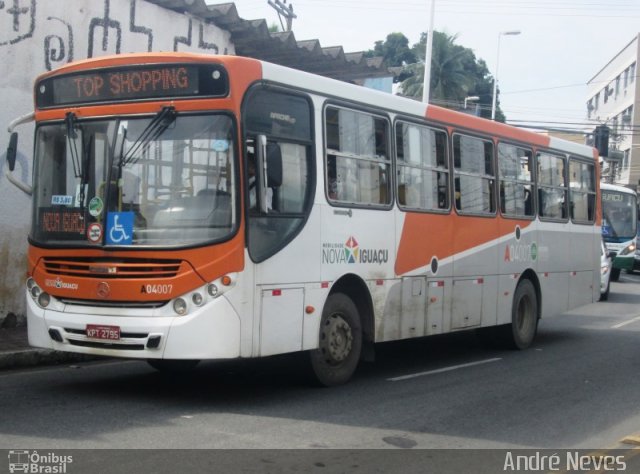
[
  {"x": 498, "y": 129},
  {"x": 425, "y": 236}
]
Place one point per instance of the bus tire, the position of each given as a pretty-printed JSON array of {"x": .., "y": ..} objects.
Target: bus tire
[
  {"x": 605, "y": 296},
  {"x": 340, "y": 342},
  {"x": 615, "y": 274},
  {"x": 524, "y": 318},
  {"x": 172, "y": 366}
]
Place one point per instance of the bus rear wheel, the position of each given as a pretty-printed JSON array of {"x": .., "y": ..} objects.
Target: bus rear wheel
[
  {"x": 172, "y": 366},
  {"x": 524, "y": 318},
  {"x": 340, "y": 342}
]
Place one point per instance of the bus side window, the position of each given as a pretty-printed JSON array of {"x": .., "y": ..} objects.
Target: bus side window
[{"x": 332, "y": 178}]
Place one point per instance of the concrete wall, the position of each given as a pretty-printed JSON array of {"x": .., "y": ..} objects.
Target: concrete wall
[{"x": 40, "y": 35}]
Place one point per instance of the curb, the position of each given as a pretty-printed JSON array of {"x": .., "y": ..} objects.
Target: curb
[{"x": 35, "y": 357}]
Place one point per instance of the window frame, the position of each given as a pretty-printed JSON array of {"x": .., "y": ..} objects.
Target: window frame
[
  {"x": 590, "y": 192},
  {"x": 540, "y": 186},
  {"x": 533, "y": 183},
  {"x": 390, "y": 159},
  {"x": 309, "y": 144},
  {"x": 404, "y": 121},
  {"x": 492, "y": 178}
]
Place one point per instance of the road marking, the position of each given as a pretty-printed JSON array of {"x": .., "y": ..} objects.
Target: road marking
[
  {"x": 444, "y": 369},
  {"x": 617, "y": 326}
]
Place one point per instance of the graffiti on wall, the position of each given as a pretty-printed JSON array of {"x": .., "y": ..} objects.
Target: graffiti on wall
[
  {"x": 58, "y": 50},
  {"x": 18, "y": 20},
  {"x": 104, "y": 33}
]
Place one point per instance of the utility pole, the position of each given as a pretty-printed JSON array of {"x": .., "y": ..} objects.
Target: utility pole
[
  {"x": 426, "y": 84},
  {"x": 283, "y": 11}
]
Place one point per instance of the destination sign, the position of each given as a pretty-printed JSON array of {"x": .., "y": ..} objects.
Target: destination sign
[
  {"x": 61, "y": 223},
  {"x": 132, "y": 83}
]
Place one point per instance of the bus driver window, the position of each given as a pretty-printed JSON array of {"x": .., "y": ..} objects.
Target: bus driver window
[{"x": 253, "y": 180}]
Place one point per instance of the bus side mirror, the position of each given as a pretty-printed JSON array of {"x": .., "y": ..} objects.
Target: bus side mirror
[{"x": 12, "y": 151}]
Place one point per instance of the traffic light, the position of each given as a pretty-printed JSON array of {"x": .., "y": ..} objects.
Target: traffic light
[{"x": 601, "y": 139}]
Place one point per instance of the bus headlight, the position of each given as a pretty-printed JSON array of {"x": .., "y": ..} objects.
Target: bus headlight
[
  {"x": 44, "y": 299},
  {"x": 30, "y": 283},
  {"x": 631, "y": 248},
  {"x": 180, "y": 306},
  {"x": 197, "y": 299},
  {"x": 212, "y": 289},
  {"x": 35, "y": 291}
]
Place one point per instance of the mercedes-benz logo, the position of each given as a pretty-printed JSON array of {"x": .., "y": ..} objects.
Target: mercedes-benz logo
[{"x": 103, "y": 289}]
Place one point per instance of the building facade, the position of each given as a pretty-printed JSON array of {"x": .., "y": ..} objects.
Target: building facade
[{"x": 612, "y": 95}]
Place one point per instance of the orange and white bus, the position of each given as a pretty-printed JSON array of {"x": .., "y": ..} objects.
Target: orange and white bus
[{"x": 190, "y": 207}]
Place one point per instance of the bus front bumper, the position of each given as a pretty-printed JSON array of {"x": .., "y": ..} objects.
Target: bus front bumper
[
  {"x": 624, "y": 262},
  {"x": 209, "y": 332}
]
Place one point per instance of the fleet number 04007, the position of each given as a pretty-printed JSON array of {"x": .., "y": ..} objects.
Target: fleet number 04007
[{"x": 156, "y": 289}]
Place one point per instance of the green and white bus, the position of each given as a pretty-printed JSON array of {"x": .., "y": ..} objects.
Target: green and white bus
[{"x": 619, "y": 225}]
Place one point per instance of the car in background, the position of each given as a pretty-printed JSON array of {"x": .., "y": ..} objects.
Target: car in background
[{"x": 605, "y": 271}]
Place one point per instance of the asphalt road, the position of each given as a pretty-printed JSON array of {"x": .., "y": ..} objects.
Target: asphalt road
[{"x": 577, "y": 388}]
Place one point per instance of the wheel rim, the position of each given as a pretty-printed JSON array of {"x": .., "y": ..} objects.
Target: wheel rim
[{"x": 337, "y": 339}]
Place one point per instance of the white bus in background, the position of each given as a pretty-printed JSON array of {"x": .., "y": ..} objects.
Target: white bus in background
[{"x": 619, "y": 225}]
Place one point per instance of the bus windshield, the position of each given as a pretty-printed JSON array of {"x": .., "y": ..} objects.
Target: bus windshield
[
  {"x": 168, "y": 180},
  {"x": 619, "y": 216}
]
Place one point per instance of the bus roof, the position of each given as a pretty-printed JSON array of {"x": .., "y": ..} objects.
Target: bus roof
[
  {"x": 408, "y": 107},
  {"x": 616, "y": 187}
]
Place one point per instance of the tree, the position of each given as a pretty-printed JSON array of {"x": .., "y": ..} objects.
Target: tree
[
  {"x": 456, "y": 73},
  {"x": 395, "y": 50}
]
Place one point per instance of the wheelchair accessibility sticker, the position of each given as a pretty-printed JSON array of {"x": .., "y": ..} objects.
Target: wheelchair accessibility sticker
[{"x": 120, "y": 228}]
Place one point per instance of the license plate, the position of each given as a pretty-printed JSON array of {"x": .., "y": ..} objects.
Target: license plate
[{"x": 111, "y": 333}]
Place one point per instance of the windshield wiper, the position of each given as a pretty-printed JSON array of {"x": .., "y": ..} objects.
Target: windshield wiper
[
  {"x": 72, "y": 136},
  {"x": 80, "y": 161},
  {"x": 156, "y": 127}
]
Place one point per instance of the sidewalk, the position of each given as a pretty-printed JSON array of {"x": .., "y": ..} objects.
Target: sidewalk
[{"x": 15, "y": 351}]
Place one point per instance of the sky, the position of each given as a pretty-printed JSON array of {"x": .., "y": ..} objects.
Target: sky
[{"x": 543, "y": 71}]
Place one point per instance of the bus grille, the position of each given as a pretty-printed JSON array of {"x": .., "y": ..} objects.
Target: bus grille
[
  {"x": 107, "y": 345},
  {"x": 135, "y": 268},
  {"x": 115, "y": 304}
]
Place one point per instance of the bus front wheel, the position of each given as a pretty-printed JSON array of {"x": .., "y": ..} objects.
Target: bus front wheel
[{"x": 340, "y": 342}]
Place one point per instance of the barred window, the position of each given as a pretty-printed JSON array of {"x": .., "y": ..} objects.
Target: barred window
[
  {"x": 516, "y": 181},
  {"x": 582, "y": 191},
  {"x": 474, "y": 175},
  {"x": 423, "y": 174},
  {"x": 552, "y": 186},
  {"x": 358, "y": 159}
]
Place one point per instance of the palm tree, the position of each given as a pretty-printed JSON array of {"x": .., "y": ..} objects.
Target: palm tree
[
  {"x": 455, "y": 74},
  {"x": 450, "y": 80}
]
